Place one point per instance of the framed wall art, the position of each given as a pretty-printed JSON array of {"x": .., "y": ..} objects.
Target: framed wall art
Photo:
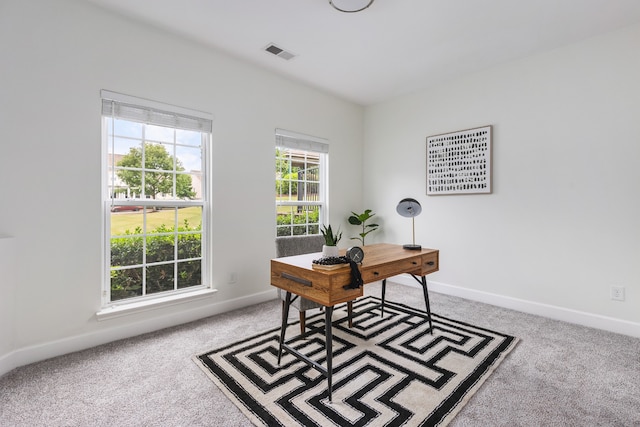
[{"x": 459, "y": 162}]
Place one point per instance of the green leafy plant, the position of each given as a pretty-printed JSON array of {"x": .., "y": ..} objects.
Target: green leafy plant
[
  {"x": 361, "y": 219},
  {"x": 330, "y": 238}
]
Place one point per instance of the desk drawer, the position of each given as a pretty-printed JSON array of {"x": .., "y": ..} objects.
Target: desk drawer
[
  {"x": 385, "y": 271},
  {"x": 429, "y": 263}
]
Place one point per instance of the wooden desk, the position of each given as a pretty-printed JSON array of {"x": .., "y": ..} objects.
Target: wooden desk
[{"x": 296, "y": 276}]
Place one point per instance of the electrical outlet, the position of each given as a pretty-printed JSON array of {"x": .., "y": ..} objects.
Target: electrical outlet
[
  {"x": 617, "y": 293},
  {"x": 233, "y": 277}
]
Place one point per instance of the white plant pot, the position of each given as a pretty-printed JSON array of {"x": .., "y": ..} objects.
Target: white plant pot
[{"x": 329, "y": 251}]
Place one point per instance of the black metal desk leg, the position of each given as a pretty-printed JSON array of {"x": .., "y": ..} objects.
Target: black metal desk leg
[
  {"x": 384, "y": 291},
  {"x": 329, "y": 345},
  {"x": 283, "y": 327},
  {"x": 426, "y": 301}
]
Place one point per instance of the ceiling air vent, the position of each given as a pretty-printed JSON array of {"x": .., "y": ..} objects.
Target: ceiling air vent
[{"x": 272, "y": 48}]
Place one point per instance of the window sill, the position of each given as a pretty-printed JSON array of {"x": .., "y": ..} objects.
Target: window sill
[{"x": 115, "y": 311}]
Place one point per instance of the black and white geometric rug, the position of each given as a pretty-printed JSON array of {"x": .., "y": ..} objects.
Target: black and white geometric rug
[{"x": 387, "y": 371}]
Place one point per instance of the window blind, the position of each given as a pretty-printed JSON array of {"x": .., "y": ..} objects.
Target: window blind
[
  {"x": 155, "y": 113},
  {"x": 298, "y": 141}
]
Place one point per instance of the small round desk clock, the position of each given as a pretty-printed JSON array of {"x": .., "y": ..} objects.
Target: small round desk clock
[{"x": 355, "y": 254}]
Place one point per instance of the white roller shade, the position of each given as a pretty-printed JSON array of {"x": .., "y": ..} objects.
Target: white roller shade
[
  {"x": 155, "y": 113},
  {"x": 298, "y": 141}
]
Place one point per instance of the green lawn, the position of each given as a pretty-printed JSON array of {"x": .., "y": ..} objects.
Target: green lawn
[{"x": 121, "y": 222}]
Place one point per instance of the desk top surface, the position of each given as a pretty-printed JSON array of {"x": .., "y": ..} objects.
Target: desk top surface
[{"x": 376, "y": 254}]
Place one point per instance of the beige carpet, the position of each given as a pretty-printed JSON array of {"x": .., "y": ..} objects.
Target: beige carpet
[{"x": 559, "y": 374}]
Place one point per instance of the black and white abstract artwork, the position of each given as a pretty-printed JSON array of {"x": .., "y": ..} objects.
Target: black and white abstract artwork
[{"x": 459, "y": 162}]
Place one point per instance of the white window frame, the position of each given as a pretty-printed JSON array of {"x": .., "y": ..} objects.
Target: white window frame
[
  {"x": 117, "y": 105},
  {"x": 298, "y": 141}
]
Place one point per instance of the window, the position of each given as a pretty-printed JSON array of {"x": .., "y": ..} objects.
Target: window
[
  {"x": 155, "y": 198},
  {"x": 301, "y": 183}
]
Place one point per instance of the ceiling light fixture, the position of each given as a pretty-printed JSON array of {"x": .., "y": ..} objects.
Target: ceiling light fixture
[{"x": 350, "y": 6}]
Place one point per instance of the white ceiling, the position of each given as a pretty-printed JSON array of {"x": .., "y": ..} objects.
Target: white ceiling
[{"x": 393, "y": 47}]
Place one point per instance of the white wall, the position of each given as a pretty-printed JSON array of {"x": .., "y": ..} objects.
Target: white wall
[
  {"x": 56, "y": 57},
  {"x": 562, "y": 224}
]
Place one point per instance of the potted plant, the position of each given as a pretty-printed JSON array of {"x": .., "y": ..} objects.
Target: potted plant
[
  {"x": 361, "y": 219},
  {"x": 330, "y": 248}
]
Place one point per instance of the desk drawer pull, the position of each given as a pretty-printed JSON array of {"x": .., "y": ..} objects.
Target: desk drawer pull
[
  {"x": 375, "y": 273},
  {"x": 431, "y": 263},
  {"x": 414, "y": 263},
  {"x": 296, "y": 279}
]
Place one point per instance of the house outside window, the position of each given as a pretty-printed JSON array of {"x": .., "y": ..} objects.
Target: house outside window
[
  {"x": 155, "y": 197},
  {"x": 301, "y": 183}
]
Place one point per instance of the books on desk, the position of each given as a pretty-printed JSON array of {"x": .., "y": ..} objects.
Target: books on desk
[{"x": 328, "y": 267}]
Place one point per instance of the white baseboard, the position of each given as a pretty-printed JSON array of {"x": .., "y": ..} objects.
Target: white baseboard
[
  {"x": 553, "y": 312},
  {"x": 36, "y": 353}
]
